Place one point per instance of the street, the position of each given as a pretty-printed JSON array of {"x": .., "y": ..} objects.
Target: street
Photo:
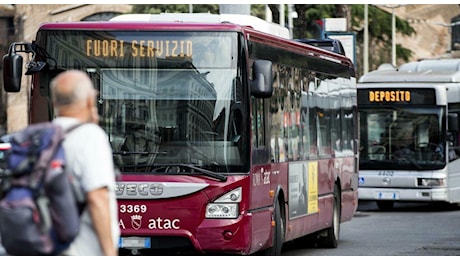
[{"x": 409, "y": 229}]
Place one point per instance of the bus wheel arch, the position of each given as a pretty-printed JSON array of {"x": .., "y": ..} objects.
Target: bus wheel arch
[
  {"x": 279, "y": 227},
  {"x": 330, "y": 237}
]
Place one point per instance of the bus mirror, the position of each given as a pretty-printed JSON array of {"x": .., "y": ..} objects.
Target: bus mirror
[
  {"x": 12, "y": 72},
  {"x": 262, "y": 80},
  {"x": 453, "y": 122}
]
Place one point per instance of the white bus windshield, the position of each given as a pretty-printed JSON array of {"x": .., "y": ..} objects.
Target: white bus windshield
[{"x": 402, "y": 138}]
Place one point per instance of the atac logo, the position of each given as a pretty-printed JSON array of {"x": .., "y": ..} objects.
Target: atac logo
[{"x": 136, "y": 221}]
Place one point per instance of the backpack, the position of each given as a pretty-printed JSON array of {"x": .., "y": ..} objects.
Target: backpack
[{"x": 40, "y": 200}]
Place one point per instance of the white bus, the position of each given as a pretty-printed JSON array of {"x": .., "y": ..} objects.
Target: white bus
[{"x": 409, "y": 133}]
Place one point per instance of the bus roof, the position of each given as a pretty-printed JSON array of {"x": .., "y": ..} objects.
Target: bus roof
[
  {"x": 436, "y": 71},
  {"x": 137, "y": 26},
  {"x": 256, "y": 35},
  {"x": 241, "y": 19}
]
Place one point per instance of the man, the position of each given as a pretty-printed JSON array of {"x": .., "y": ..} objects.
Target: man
[{"x": 89, "y": 155}]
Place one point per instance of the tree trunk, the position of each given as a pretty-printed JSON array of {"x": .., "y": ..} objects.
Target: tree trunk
[
  {"x": 344, "y": 11},
  {"x": 275, "y": 13},
  {"x": 300, "y": 24}
]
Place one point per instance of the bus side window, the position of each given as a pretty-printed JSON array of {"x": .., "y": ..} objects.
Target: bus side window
[
  {"x": 260, "y": 150},
  {"x": 453, "y": 145}
]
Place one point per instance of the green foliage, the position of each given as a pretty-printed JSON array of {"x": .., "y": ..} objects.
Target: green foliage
[
  {"x": 380, "y": 39},
  {"x": 309, "y": 21},
  {"x": 380, "y": 22},
  {"x": 256, "y": 9}
]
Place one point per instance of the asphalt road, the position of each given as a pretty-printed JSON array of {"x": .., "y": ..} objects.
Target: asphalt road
[
  {"x": 412, "y": 229},
  {"x": 409, "y": 229}
]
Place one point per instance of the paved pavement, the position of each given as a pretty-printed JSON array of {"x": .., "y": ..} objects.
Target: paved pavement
[{"x": 445, "y": 247}]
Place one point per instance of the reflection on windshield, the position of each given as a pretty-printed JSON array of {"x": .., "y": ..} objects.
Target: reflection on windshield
[
  {"x": 181, "y": 118},
  {"x": 402, "y": 139},
  {"x": 165, "y": 97}
]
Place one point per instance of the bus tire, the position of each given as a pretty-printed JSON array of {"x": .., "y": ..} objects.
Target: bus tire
[
  {"x": 333, "y": 233},
  {"x": 385, "y": 204},
  {"x": 278, "y": 233}
]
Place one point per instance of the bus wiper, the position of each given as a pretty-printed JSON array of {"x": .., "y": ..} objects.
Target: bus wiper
[
  {"x": 141, "y": 153},
  {"x": 205, "y": 172},
  {"x": 406, "y": 158},
  {"x": 175, "y": 168}
]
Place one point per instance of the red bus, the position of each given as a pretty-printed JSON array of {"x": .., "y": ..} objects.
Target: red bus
[{"x": 229, "y": 140}]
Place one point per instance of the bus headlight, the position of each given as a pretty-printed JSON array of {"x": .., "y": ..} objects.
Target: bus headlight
[
  {"x": 221, "y": 210},
  {"x": 226, "y": 206},
  {"x": 430, "y": 182}
]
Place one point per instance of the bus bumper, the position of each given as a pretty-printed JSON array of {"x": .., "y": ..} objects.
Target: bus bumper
[
  {"x": 241, "y": 236},
  {"x": 416, "y": 195}
]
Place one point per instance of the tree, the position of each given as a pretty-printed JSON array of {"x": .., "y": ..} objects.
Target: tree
[
  {"x": 309, "y": 24},
  {"x": 379, "y": 26},
  {"x": 275, "y": 12},
  {"x": 344, "y": 11},
  {"x": 256, "y": 9}
]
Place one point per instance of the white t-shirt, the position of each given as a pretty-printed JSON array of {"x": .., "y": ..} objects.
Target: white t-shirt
[{"x": 88, "y": 152}]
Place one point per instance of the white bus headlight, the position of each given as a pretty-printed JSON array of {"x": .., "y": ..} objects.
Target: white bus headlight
[
  {"x": 430, "y": 182},
  {"x": 221, "y": 210},
  {"x": 226, "y": 206}
]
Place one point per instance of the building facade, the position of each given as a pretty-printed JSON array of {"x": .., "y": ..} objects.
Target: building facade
[
  {"x": 437, "y": 35},
  {"x": 20, "y": 23}
]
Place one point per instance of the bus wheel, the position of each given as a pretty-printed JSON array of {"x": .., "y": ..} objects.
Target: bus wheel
[
  {"x": 333, "y": 232},
  {"x": 278, "y": 233},
  {"x": 385, "y": 204}
]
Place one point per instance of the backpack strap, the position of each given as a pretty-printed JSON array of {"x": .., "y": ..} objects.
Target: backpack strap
[{"x": 73, "y": 127}]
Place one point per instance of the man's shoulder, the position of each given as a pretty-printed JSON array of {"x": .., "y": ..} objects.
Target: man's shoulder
[
  {"x": 90, "y": 132},
  {"x": 91, "y": 127},
  {"x": 72, "y": 124}
]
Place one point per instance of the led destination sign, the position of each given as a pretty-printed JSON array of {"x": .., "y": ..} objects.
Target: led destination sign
[
  {"x": 139, "y": 48},
  {"x": 149, "y": 49},
  {"x": 389, "y": 96},
  {"x": 407, "y": 96}
]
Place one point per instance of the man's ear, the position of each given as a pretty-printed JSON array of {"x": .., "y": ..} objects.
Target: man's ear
[
  {"x": 90, "y": 101},
  {"x": 91, "y": 106}
]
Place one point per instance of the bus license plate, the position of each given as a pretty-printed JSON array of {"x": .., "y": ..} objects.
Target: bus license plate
[
  {"x": 134, "y": 242},
  {"x": 388, "y": 195}
]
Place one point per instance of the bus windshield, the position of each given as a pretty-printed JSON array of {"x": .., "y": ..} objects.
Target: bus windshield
[
  {"x": 166, "y": 99},
  {"x": 402, "y": 138}
]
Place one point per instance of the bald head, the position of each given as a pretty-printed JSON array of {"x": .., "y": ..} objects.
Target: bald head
[
  {"x": 70, "y": 87},
  {"x": 73, "y": 94}
]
